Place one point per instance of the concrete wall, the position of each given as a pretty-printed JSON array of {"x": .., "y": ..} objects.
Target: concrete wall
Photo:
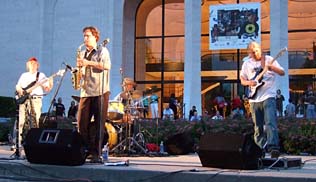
[{"x": 51, "y": 31}]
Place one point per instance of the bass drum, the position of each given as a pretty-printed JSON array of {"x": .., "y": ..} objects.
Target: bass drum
[
  {"x": 112, "y": 133},
  {"x": 115, "y": 110}
]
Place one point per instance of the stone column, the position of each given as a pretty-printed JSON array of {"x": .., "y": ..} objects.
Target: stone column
[
  {"x": 192, "y": 58},
  {"x": 112, "y": 25},
  {"x": 279, "y": 40}
]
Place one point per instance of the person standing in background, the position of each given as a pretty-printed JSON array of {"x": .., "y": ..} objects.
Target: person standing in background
[
  {"x": 173, "y": 105},
  {"x": 154, "y": 105},
  {"x": 192, "y": 112},
  {"x": 279, "y": 98},
  {"x": 72, "y": 111},
  {"x": 60, "y": 109}
]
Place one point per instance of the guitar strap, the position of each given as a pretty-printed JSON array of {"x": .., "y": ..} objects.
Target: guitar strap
[
  {"x": 32, "y": 83},
  {"x": 263, "y": 61}
]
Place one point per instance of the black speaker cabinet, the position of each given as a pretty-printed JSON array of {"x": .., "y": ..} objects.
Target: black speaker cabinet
[
  {"x": 54, "y": 146},
  {"x": 229, "y": 151},
  {"x": 179, "y": 144}
]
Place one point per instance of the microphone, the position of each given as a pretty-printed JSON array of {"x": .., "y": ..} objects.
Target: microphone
[
  {"x": 69, "y": 67},
  {"x": 106, "y": 41}
]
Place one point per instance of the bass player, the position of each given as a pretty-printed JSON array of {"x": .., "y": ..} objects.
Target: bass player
[
  {"x": 29, "y": 82},
  {"x": 263, "y": 104}
]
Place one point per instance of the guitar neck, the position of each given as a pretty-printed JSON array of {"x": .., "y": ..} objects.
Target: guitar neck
[
  {"x": 264, "y": 71},
  {"x": 39, "y": 83}
]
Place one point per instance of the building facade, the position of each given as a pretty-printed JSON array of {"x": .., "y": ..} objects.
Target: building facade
[{"x": 163, "y": 45}]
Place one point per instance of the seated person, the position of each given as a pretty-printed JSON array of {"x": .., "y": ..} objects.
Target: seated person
[
  {"x": 168, "y": 113},
  {"x": 195, "y": 117},
  {"x": 218, "y": 116}
]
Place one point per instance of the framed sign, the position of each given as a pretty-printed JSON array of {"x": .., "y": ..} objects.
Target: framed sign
[{"x": 233, "y": 26}]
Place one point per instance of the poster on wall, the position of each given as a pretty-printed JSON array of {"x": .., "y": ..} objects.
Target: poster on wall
[{"x": 233, "y": 26}]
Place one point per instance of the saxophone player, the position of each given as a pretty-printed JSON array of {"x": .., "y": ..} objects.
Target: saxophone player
[{"x": 94, "y": 94}]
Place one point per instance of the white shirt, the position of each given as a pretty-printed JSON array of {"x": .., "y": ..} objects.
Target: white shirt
[
  {"x": 27, "y": 78},
  {"x": 269, "y": 78}
]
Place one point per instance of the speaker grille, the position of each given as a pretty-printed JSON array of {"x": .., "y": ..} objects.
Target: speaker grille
[{"x": 232, "y": 151}]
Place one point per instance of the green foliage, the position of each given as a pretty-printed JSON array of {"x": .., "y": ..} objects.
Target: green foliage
[
  {"x": 6, "y": 129},
  {"x": 299, "y": 136},
  {"x": 7, "y": 107}
]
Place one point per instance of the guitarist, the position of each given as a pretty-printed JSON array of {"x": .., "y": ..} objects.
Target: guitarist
[
  {"x": 26, "y": 82},
  {"x": 263, "y": 105}
]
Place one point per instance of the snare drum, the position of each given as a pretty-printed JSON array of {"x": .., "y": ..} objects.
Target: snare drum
[
  {"x": 115, "y": 110},
  {"x": 112, "y": 141}
]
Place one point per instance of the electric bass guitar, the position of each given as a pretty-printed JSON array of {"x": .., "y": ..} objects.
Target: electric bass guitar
[
  {"x": 20, "y": 99},
  {"x": 252, "y": 90}
]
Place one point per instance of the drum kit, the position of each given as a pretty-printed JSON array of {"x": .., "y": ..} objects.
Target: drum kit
[{"x": 123, "y": 113}]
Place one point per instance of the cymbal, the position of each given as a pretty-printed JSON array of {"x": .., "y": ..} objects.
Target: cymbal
[
  {"x": 124, "y": 95},
  {"x": 76, "y": 98},
  {"x": 136, "y": 94}
]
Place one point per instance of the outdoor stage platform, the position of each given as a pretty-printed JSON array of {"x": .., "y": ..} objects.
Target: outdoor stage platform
[{"x": 184, "y": 168}]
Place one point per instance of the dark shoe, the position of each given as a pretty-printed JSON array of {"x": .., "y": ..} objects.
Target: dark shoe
[
  {"x": 96, "y": 159},
  {"x": 90, "y": 156},
  {"x": 275, "y": 153}
]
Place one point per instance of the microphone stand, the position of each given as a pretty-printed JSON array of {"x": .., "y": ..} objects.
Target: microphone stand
[
  {"x": 54, "y": 96},
  {"x": 101, "y": 125}
]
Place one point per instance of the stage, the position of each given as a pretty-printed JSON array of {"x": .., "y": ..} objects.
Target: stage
[{"x": 144, "y": 168}]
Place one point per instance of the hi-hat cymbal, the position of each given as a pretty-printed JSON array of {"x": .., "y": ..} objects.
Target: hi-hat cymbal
[
  {"x": 76, "y": 98},
  {"x": 137, "y": 94},
  {"x": 124, "y": 95}
]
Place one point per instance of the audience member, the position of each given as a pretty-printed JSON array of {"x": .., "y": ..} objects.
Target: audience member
[
  {"x": 192, "y": 112},
  {"x": 220, "y": 104},
  {"x": 290, "y": 109},
  {"x": 310, "y": 103},
  {"x": 300, "y": 109},
  {"x": 279, "y": 98},
  {"x": 60, "y": 108},
  {"x": 154, "y": 106},
  {"x": 72, "y": 111},
  {"x": 173, "y": 105},
  {"x": 218, "y": 116},
  {"x": 168, "y": 113},
  {"x": 195, "y": 117}
]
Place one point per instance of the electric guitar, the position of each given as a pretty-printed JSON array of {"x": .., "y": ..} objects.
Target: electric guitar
[
  {"x": 20, "y": 99},
  {"x": 252, "y": 90}
]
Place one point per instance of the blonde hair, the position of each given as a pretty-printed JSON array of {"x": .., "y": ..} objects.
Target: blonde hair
[
  {"x": 252, "y": 45},
  {"x": 28, "y": 65}
]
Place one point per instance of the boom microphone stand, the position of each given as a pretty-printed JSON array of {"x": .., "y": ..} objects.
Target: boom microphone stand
[{"x": 55, "y": 94}]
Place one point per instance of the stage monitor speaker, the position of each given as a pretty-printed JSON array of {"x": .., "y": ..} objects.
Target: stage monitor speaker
[
  {"x": 229, "y": 151},
  {"x": 54, "y": 146},
  {"x": 179, "y": 144}
]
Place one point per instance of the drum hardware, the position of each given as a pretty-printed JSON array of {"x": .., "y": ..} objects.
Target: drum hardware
[
  {"x": 128, "y": 143},
  {"x": 76, "y": 98},
  {"x": 131, "y": 114}
]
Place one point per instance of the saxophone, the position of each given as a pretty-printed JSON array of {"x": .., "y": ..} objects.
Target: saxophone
[{"x": 77, "y": 72}]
